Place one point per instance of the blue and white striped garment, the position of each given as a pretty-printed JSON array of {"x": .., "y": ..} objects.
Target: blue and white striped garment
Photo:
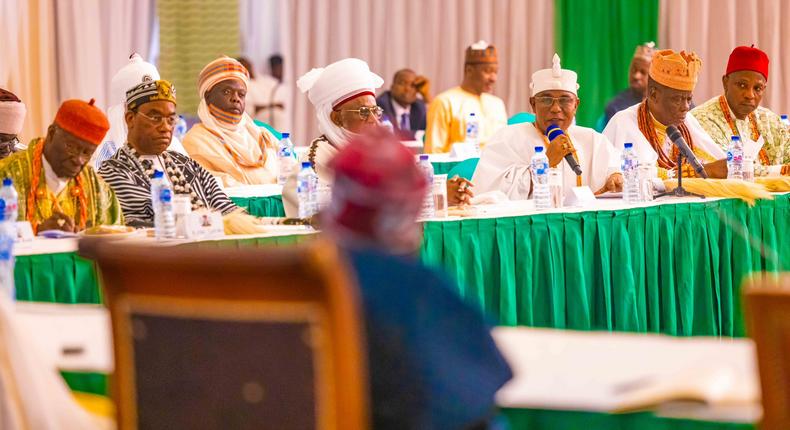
[{"x": 104, "y": 152}]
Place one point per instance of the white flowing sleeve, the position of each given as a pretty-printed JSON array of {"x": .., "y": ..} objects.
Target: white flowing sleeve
[{"x": 504, "y": 166}]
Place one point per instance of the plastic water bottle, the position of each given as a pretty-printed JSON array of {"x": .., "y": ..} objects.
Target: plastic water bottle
[
  {"x": 7, "y": 238},
  {"x": 156, "y": 183},
  {"x": 540, "y": 179},
  {"x": 785, "y": 121},
  {"x": 286, "y": 157},
  {"x": 9, "y": 195},
  {"x": 164, "y": 214},
  {"x": 307, "y": 191},
  {"x": 629, "y": 167},
  {"x": 473, "y": 131},
  {"x": 735, "y": 158},
  {"x": 180, "y": 129},
  {"x": 428, "y": 209}
]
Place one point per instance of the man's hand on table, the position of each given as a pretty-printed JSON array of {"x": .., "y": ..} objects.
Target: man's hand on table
[
  {"x": 58, "y": 221},
  {"x": 459, "y": 191},
  {"x": 614, "y": 184}
]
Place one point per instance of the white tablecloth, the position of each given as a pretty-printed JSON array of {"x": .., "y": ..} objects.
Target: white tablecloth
[
  {"x": 248, "y": 191},
  {"x": 605, "y": 371},
  {"x": 51, "y": 246}
]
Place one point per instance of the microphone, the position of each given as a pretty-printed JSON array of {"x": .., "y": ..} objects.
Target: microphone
[
  {"x": 554, "y": 131},
  {"x": 677, "y": 139}
]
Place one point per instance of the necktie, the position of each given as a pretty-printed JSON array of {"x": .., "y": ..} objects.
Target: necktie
[{"x": 404, "y": 122}]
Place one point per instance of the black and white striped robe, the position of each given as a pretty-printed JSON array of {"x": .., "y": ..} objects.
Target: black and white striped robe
[{"x": 126, "y": 175}]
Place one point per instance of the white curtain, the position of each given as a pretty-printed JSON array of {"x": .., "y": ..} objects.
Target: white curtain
[
  {"x": 260, "y": 27},
  {"x": 27, "y": 60},
  {"x": 712, "y": 28},
  {"x": 95, "y": 39},
  {"x": 429, "y": 36}
]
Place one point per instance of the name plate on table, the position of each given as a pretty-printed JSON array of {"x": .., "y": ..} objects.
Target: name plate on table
[
  {"x": 463, "y": 150},
  {"x": 579, "y": 197},
  {"x": 204, "y": 225}
]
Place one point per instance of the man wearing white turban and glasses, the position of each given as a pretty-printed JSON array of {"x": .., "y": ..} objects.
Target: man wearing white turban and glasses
[{"x": 343, "y": 94}]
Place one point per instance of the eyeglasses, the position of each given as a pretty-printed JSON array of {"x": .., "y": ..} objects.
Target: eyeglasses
[
  {"x": 548, "y": 101},
  {"x": 159, "y": 119},
  {"x": 366, "y": 111}
]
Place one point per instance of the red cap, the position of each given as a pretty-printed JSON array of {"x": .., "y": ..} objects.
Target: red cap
[
  {"x": 748, "y": 58},
  {"x": 83, "y": 120}
]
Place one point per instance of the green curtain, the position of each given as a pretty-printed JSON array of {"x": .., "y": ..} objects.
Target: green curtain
[
  {"x": 596, "y": 39},
  {"x": 192, "y": 33}
]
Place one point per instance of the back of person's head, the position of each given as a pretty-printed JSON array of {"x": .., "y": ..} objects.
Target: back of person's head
[
  {"x": 377, "y": 195},
  {"x": 275, "y": 60}
]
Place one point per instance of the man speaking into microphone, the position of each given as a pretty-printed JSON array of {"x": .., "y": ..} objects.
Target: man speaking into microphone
[{"x": 585, "y": 157}]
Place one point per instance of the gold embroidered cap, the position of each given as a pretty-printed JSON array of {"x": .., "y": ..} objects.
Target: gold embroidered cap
[
  {"x": 678, "y": 70},
  {"x": 150, "y": 91},
  {"x": 481, "y": 53}
]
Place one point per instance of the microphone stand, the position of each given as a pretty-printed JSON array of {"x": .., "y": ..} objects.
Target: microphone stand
[{"x": 679, "y": 191}]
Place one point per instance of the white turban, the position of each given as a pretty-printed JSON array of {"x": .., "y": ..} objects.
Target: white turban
[
  {"x": 12, "y": 116},
  {"x": 555, "y": 78},
  {"x": 129, "y": 76},
  {"x": 333, "y": 85}
]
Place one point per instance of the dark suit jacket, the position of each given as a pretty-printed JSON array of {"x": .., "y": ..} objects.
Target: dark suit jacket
[{"x": 417, "y": 114}]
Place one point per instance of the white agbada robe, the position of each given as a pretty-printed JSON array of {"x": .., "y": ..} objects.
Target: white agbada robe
[
  {"x": 624, "y": 127},
  {"x": 505, "y": 162}
]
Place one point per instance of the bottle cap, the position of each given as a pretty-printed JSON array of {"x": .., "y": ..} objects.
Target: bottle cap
[
  {"x": 7, "y": 182},
  {"x": 305, "y": 164},
  {"x": 538, "y": 149},
  {"x": 628, "y": 145},
  {"x": 286, "y": 135},
  {"x": 735, "y": 138},
  {"x": 423, "y": 157},
  {"x": 158, "y": 174}
]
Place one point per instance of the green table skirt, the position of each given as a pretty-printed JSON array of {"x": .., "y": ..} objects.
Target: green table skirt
[
  {"x": 673, "y": 268},
  {"x": 533, "y": 419},
  {"x": 68, "y": 278},
  {"x": 271, "y": 206},
  {"x": 61, "y": 278}
]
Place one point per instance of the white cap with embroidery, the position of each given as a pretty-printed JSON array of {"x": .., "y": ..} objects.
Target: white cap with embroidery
[{"x": 555, "y": 78}]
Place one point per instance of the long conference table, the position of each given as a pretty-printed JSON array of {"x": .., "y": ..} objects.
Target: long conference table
[{"x": 672, "y": 266}]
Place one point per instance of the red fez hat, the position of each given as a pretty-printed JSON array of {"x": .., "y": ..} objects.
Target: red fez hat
[
  {"x": 748, "y": 58},
  {"x": 83, "y": 120}
]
